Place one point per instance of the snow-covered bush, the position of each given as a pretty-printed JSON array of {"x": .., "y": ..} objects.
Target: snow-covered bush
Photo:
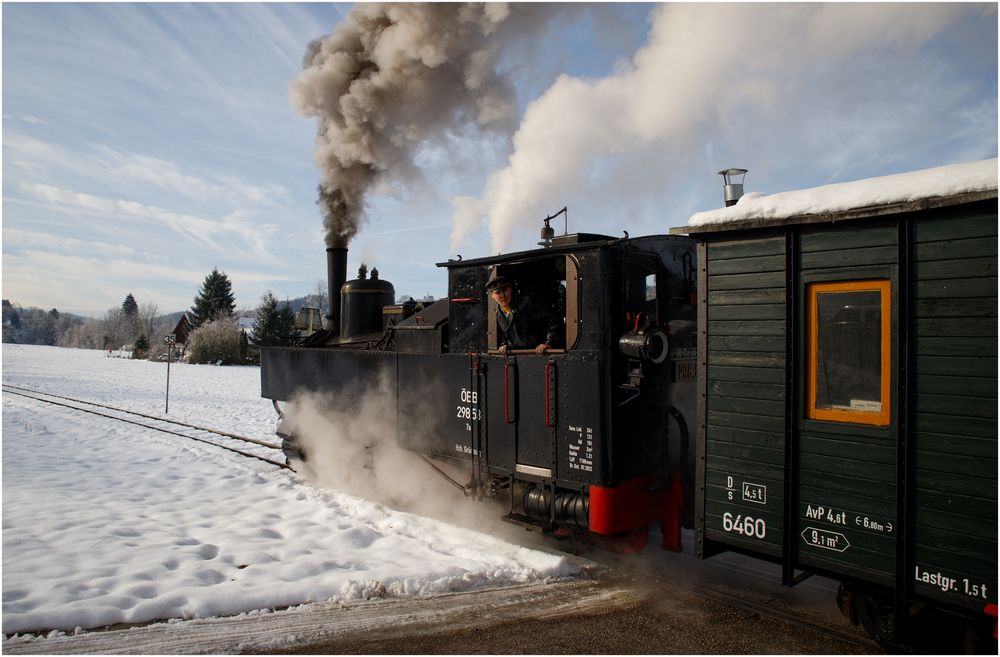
[{"x": 215, "y": 342}]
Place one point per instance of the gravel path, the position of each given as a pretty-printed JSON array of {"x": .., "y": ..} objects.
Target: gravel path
[{"x": 594, "y": 616}]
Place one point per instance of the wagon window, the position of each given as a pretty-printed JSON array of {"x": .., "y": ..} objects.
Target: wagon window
[{"x": 848, "y": 352}]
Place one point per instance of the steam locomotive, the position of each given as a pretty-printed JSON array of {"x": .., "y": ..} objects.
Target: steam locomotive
[{"x": 817, "y": 391}]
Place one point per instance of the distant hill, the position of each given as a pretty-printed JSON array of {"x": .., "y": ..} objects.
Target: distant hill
[{"x": 172, "y": 318}]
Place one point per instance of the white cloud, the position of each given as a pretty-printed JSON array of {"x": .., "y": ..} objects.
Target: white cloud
[
  {"x": 215, "y": 234},
  {"x": 110, "y": 166},
  {"x": 23, "y": 240},
  {"x": 24, "y": 118},
  {"x": 42, "y": 278}
]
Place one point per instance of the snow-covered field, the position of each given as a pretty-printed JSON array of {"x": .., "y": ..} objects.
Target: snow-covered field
[{"x": 107, "y": 523}]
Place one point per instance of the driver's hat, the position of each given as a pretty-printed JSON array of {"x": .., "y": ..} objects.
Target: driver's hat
[{"x": 499, "y": 283}]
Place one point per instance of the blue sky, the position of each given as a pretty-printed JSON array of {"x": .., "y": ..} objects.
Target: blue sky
[{"x": 146, "y": 144}]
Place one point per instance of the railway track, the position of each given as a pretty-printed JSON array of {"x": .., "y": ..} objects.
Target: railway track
[
  {"x": 840, "y": 629},
  {"x": 748, "y": 585},
  {"x": 147, "y": 421}
]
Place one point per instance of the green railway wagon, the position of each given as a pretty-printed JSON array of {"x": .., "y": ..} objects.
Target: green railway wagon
[{"x": 847, "y": 373}]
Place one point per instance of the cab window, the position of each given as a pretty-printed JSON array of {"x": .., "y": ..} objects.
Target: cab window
[
  {"x": 552, "y": 285},
  {"x": 640, "y": 290}
]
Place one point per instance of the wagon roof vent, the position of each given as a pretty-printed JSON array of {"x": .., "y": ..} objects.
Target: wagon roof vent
[{"x": 733, "y": 189}]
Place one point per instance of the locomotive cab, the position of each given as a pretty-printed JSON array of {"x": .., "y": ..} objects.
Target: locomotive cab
[{"x": 588, "y": 436}]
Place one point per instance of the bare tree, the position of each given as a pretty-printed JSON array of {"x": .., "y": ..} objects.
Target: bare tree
[
  {"x": 149, "y": 319},
  {"x": 89, "y": 335},
  {"x": 115, "y": 329},
  {"x": 318, "y": 297},
  {"x": 68, "y": 331}
]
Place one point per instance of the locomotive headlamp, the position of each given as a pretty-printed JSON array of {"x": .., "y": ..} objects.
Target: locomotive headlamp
[{"x": 649, "y": 344}]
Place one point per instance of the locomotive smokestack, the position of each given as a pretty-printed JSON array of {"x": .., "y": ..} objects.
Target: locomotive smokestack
[
  {"x": 336, "y": 271},
  {"x": 733, "y": 189}
]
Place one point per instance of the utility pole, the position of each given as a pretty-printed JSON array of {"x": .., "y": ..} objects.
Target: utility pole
[{"x": 170, "y": 341}]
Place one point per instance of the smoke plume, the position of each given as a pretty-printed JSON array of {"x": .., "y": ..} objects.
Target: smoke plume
[
  {"x": 705, "y": 68},
  {"x": 395, "y": 75}
]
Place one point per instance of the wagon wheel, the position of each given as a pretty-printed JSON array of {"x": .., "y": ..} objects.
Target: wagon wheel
[{"x": 878, "y": 618}]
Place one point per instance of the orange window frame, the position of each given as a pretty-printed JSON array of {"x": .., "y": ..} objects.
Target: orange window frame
[{"x": 875, "y": 418}]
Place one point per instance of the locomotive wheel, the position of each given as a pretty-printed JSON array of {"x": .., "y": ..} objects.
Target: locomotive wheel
[
  {"x": 295, "y": 458},
  {"x": 630, "y": 542}
]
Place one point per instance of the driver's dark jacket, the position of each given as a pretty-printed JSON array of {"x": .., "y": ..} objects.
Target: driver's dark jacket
[{"x": 527, "y": 326}]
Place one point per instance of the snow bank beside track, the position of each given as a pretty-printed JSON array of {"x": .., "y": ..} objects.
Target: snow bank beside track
[{"x": 105, "y": 523}]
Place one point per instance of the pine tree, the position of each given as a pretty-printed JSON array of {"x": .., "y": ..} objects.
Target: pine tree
[
  {"x": 215, "y": 300},
  {"x": 130, "y": 318},
  {"x": 272, "y": 326},
  {"x": 263, "y": 324},
  {"x": 11, "y": 322},
  {"x": 129, "y": 306},
  {"x": 141, "y": 346}
]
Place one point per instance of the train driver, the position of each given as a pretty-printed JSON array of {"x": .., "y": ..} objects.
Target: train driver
[{"x": 521, "y": 324}]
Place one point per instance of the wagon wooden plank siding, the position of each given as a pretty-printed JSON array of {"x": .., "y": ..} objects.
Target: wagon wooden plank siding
[
  {"x": 847, "y": 419},
  {"x": 744, "y": 395},
  {"x": 846, "y": 472},
  {"x": 955, "y": 410}
]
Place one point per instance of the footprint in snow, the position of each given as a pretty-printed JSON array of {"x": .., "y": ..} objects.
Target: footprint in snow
[
  {"x": 269, "y": 533},
  {"x": 208, "y": 551}
]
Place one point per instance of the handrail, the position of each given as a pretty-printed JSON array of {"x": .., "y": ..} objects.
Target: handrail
[{"x": 524, "y": 352}]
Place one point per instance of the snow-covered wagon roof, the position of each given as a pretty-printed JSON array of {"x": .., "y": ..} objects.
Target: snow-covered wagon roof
[{"x": 871, "y": 197}]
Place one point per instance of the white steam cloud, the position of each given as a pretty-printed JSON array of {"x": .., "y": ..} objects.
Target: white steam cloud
[
  {"x": 703, "y": 64},
  {"x": 395, "y": 75},
  {"x": 350, "y": 446}
]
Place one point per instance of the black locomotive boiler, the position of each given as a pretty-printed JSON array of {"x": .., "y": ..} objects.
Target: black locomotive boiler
[{"x": 817, "y": 390}]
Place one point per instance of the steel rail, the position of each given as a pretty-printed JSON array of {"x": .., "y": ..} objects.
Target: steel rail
[
  {"x": 761, "y": 609},
  {"x": 237, "y": 436},
  {"x": 787, "y": 617},
  {"x": 9, "y": 390}
]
